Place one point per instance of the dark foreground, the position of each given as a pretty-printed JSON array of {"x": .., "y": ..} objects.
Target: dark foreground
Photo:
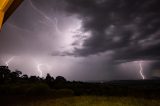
[
  {"x": 17, "y": 89},
  {"x": 88, "y": 101}
]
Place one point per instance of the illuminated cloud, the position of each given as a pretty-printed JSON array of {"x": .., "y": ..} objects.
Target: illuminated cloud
[{"x": 84, "y": 39}]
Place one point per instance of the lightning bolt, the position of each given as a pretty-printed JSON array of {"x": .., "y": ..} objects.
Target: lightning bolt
[
  {"x": 56, "y": 25},
  {"x": 54, "y": 22},
  {"x": 40, "y": 12},
  {"x": 39, "y": 66},
  {"x": 141, "y": 70},
  {"x": 8, "y": 61},
  {"x": 39, "y": 69}
]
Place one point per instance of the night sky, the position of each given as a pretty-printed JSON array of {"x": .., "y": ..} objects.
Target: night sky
[{"x": 86, "y": 40}]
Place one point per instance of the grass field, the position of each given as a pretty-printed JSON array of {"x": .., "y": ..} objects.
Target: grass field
[{"x": 94, "y": 101}]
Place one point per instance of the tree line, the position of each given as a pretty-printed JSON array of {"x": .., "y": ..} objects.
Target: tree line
[
  {"x": 17, "y": 83},
  {"x": 8, "y": 76}
]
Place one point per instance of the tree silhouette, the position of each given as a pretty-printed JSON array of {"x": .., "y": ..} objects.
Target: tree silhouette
[
  {"x": 34, "y": 79},
  {"x": 4, "y": 73},
  {"x": 25, "y": 77},
  {"x": 60, "y": 79},
  {"x": 15, "y": 75},
  {"x": 49, "y": 78}
]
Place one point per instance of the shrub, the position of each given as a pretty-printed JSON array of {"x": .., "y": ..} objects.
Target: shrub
[{"x": 38, "y": 90}]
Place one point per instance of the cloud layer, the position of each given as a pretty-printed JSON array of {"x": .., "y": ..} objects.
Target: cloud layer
[
  {"x": 130, "y": 29},
  {"x": 84, "y": 39}
]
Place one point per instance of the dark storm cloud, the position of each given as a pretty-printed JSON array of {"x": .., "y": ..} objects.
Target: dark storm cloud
[
  {"x": 113, "y": 31},
  {"x": 129, "y": 28}
]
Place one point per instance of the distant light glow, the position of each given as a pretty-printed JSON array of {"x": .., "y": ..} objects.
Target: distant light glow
[
  {"x": 67, "y": 33},
  {"x": 70, "y": 32},
  {"x": 8, "y": 61}
]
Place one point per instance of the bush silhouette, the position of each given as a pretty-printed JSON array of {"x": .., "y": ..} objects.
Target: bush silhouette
[
  {"x": 60, "y": 79},
  {"x": 38, "y": 89}
]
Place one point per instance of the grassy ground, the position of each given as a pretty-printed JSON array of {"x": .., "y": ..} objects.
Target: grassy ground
[{"x": 94, "y": 101}]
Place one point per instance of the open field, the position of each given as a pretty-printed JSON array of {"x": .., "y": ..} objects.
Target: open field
[{"x": 93, "y": 101}]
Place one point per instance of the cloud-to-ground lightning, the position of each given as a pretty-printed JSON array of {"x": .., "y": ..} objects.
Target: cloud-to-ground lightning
[
  {"x": 39, "y": 66},
  {"x": 39, "y": 70},
  {"x": 8, "y": 61},
  {"x": 141, "y": 70}
]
